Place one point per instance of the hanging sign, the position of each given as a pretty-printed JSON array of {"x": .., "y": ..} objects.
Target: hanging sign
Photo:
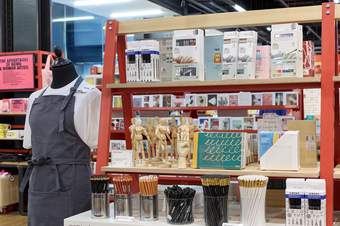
[{"x": 16, "y": 72}]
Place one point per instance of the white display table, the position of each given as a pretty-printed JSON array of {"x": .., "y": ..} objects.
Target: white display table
[{"x": 84, "y": 219}]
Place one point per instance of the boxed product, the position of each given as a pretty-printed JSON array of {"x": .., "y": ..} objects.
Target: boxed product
[
  {"x": 188, "y": 55},
  {"x": 308, "y": 141},
  {"x": 147, "y": 101},
  {"x": 279, "y": 150},
  {"x": 214, "y": 123},
  {"x": 295, "y": 202},
  {"x": 190, "y": 100},
  {"x": 133, "y": 60},
  {"x": 15, "y": 134},
  {"x": 267, "y": 99},
  {"x": 233, "y": 99},
  {"x": 117, "y": 101},
  {"x": 244, "y": 99},
  {"x": 149, "y": 65},
  {"x": 156, "y": 101},
  {"x": 246, "y": 64},
  {"x": 286, "y": 50},
  {"x": 213, "y": 57},
  {"x": 308, "y": 58},
  {"x": 222, "y": 99},
  {"x": 230, "y": 54},
  {"x": 5, "y": 105},
  {"x": 224, "y": 123},
  {"x": 180, "y": 102},
  {"x": 212, "y": 99},
  {"x": 202, "y": 100},
  {"x": 137, "y": 101},
  {"x": 236, "y": 123},
  {"x": 18, "y": 105},
  {"x": 256, "y": 99},
  {"x": 117, "y": 124},
  {"x": 117, "y": 145},
  {"x": 204, "y": 123},
  {"x": 315, "y": 192},
  {"x": 165, "y": 47},
  {"x": 262, "y": 62},
  {"x": 291, "y": 99},
  {"x": 168, "y": 100}
]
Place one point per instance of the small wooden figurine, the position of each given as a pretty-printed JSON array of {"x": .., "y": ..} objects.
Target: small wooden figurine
[
  {"x": 137, "y": 139},
  {"x": 183, "y": 143},
  {"x": 162, "y": 135},
  {"x": 174, "y": 135}
]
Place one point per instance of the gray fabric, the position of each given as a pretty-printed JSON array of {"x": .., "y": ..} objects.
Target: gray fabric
[{"x": 59, "y": 187}]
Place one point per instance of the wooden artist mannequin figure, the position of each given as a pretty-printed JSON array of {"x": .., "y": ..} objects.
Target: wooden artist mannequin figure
[
  {"x": 192, "y": 129},
  {"x": 137, "y": 139},
  {"x": 183, "y": 142},
  {"x": 162, "y": 134},
  {"x": 174, "y": 134},
  {"x": 150, "y": 129}
]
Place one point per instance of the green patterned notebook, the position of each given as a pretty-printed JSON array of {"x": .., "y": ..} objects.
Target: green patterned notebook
[{"x": 220, "y": 150}]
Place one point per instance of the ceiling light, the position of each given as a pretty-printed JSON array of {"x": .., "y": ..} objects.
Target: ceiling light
[
  {"x": 239, "y": 8},
  {"x": 269, "y": 28},
  {"x": 98, "y": 2},
  {"x": 140, "y": 13},
  {"x": 77, "y": 18}
]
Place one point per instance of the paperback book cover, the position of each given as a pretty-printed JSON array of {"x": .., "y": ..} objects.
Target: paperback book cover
[{"x": 219, "y": 150}]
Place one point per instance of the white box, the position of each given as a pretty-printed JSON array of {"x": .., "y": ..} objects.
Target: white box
[
  {"x": 279, "y": 151},
  {"x": 246, "y": 63},
  {"x": 315, "y": 192},
  {"x": 149, "y": 66},
  {"x": 190, "y": 100},
  {"x": 230, "y": 54},
  {"x": 295, "y": 202},
  {"x": 188, "y": 55},
  {"x": 287, "y": 50},
  {"x": 133, "y": 60}
]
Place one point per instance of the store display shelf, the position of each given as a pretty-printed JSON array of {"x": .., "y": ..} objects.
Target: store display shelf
[
  {"x": 218, "y": 86},
  {"x": 263, "y": 107},
  {"x": 337, "y": 172},
  {"x": 250, "y": 169},
  {"x": 12, "y": 114},
  {"x": 86, "y": 219},
  {"x": 17, "y": 151},
  {"x": 17, "y": 126}
]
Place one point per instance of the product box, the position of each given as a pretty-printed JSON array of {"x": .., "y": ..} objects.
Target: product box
[
  {"x": 244, "y": 99},
  {"x": 233, "y": 99},
  {"x": 222, "y": 99},
  {"x": 213, "y": 47},
  {"x": 147, "y": 101},
  {"x": 188, "y": 55},
  {"x": 156, "y": 101},
  {"x": 295, "y": 202},
  {"x": 230, "y": 55},
  {"x": 279, "y": 150},
  {"x": 149, "y": 66},
  {"x": 308, "y": 141},
  {"x": 202, "y": 100},
  {"x": 291, "y": 99},
  {"x": 248, "y": 123},
  {"x": 214, "y": 123},
  {"x": 190, "y": 100},
  {"x": 287, "y": 51},
  {"x": 117, "y": 145},
  {"x": 315, "y": 192},
  {"x": 204, "y": 123},
  {"x": 224, "y": 123},
  {"x": 133, "y": 60},
  {"x": 18, "y": 105},
  {"x": 137, "y": 101},
  {"x": 236, "y": 123},
  {"x": 5, "y": 105},
  {"x": 256, "y": 99},
  {"x": 308, "y": 58},
  {"x": 117, "y": 101},
  {"x": 117, "y": 124},
  {"x": 15, "y": 134},
  {"x": 267, "y": 99},
  {"x": 246, "y": 64},
  {"x": 212, "y": 99},
  {"x": 279, "y": 98},
  {"x": 168, "y": 100},
  {"x": 180, "y": 102},
  {"x": 263, "y": 61},
  {"x": 165, "y": 49}
]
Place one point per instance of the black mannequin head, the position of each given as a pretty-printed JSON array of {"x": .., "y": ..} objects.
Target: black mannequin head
[{"x": 63, "y": 70}]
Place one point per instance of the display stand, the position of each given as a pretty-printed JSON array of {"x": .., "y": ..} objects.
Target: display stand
[{"x": 116, "y": 42}]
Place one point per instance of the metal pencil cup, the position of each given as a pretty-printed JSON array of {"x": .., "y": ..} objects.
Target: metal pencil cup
[
  {"x": 100, "y": 205},
  {"x": 123, "y": 206},
  {"x": 149, "y": 208},
  {"x": 215, "y": 210}
]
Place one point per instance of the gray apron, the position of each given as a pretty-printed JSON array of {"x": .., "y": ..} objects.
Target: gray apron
[{"x": 59, "y": 172}]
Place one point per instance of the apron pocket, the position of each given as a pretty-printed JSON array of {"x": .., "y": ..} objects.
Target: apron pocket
[{"x": 48, "y": 208}]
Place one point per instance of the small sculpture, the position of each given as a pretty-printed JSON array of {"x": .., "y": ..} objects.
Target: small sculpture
[
  {"x": 183, "y": 143},
  {"x": 174, "y": 135},
  {"x": 162, "y": 134},
  {"x": 137, "y": 138},
  {"x": 192, "y": 129},
  {"x": 150, "y": 129}
]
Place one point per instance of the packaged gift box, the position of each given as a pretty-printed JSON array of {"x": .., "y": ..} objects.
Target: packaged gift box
[
  {"x": 230, "y": 54},
  {"x": 262, "y": 62},
  {"x": 246, "y": 64}
]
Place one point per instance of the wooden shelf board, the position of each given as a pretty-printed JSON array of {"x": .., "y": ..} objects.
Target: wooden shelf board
[
  {"x": 309, "y": 14},
  {"x": 258, "y": 83},
  {"x": 251, "y": 169},
  {"x": 12, "y": 114},
  {"x": 337, "y": 172},
  {"x": 13, "y": 164},
  {"x": 263, "y": 107}
]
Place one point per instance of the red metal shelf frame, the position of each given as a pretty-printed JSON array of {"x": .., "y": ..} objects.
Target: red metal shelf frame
[{"x": 116, "y": 43}]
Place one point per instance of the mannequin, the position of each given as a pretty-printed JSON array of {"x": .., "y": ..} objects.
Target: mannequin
[
  {"x": 61, "y": 127},
  {"x": 63, "y": 70}
]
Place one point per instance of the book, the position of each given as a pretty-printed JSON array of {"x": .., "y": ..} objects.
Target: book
[{"x": 219, "y": 150}]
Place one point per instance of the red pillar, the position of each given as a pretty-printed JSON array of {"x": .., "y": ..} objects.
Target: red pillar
[
  {"x": 106, "y": 99},
  {"x": 327, "y": 104}
]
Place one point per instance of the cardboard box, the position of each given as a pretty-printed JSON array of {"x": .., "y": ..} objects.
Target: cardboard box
[
  {"x": 286, "y": 50},
  {"x": 308, "y": 141},
  {"x": 165, "y": 49},
  {"x": 188, "y": 55},
  {"x": 133, "y": 60},
  {"x": 9, "y": 190},
  {"x": 263, "y": 62},
  {"x": 230, "y": 55},
  {"x": 149, "y": 66},
  {"x": 246, "y": 64}
]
